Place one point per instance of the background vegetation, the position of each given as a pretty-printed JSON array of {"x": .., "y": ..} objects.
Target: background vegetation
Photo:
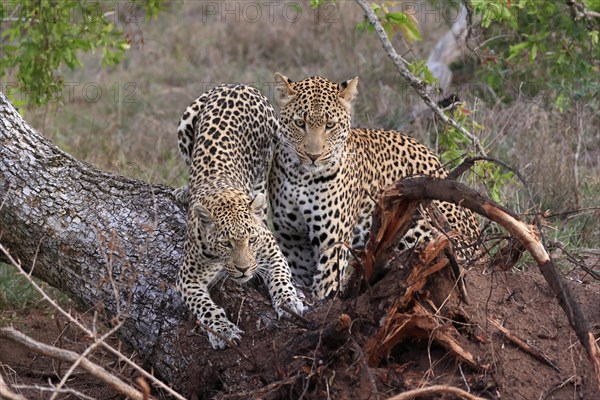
[{"x": 115, "y": 94}]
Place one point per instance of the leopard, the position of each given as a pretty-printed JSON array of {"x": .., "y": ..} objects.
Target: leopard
[
  {"x": 225, "y": 137},
  {"x": 327, "y": 175}
]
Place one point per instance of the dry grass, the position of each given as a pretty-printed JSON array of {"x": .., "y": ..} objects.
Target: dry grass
[{"x": 185, "y": 51}]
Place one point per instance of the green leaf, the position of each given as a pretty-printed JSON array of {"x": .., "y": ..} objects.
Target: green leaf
[
  {"x": 533, "y": 53},
  {"x": 397, "y": 17},
  {"x": 517, "y": 49},
  {"x": 593, "y": 37}
]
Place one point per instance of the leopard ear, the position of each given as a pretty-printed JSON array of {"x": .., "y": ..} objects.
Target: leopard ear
[
  {"x": 202, "y": 215},
  {"x": 348, "y": 92},
  {"x": 258, "y": 206},
  {"x": 283, "y": 88}
]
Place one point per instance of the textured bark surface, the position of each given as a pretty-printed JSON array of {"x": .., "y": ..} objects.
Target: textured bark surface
[{"x": 109, "y": 242}]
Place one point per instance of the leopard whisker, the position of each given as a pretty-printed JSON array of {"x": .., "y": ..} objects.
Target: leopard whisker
[
  {"x": 221, "y": 277},
  {"x": 262, "y": 273}
]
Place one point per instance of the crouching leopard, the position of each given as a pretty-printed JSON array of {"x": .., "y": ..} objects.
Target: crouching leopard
[
  {"x": 225, "y": 137},
  {"x": 325, "y": 176}
]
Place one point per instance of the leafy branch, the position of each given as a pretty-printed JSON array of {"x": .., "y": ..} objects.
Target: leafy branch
[
  {"x": 39, "y": 37},
  {"x": 418, "y": 85}
]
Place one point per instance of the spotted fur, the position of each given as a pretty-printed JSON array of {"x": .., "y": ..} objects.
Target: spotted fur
[
  {"x": 325, "y": 176},
  {"x": 225, "y": 137}
]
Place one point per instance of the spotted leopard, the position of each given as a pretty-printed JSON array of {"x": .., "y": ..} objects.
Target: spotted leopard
[
  {"x": 225, "y": 137},
  {"x": 325, "y": 176}
]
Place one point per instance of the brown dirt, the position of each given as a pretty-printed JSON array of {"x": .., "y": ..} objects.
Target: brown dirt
[
  {"x": 291, "y": 360},
  {"x": 522, "y": 301}
]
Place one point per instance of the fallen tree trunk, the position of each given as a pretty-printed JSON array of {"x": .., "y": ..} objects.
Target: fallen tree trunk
[{"x": 109, "y": 242}]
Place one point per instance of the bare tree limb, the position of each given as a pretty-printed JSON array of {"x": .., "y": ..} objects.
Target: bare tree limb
[
  {"x": 417, "y": 84},
  {"x": 70, "y": 356},
  {"x": 53, "y": 389}
]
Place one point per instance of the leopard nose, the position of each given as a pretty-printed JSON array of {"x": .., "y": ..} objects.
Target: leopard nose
[
  {"x": 313, "y": 157},
  {"x": 242, "y": 268}
]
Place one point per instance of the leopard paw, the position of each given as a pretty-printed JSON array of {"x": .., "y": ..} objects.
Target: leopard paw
[
  {"x": 290, "y": 301},
  {"x": 182, "y": 195},
  {"x": 227, "y": 329}
]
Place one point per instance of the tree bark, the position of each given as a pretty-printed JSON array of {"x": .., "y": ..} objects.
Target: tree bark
[{"x": 108, "y": 242}]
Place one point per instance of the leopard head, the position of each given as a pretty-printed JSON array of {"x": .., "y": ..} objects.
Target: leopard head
[
  {"x": 315, "y": 116},
  {"x": 227, "y": 227}
]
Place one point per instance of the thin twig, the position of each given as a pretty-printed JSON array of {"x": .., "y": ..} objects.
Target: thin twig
[
  {"x": 571, "y": 379},
  {"x": 83, "y": 356},
  {"x": 433, "y": 390},
  {"x": 6, "y": 393},
  {"x": 263, "y": 390},
  {"x": 470, "y": 161},
  {"x": 577, "y": 262},
  {"x": 70, "y": 356},
  {"x": 54, "y": 389},
  {"x": 462, "y": 374},
  {"x": 299, "y": 319},
  {"x": 547, "y": 215},
  {"x": 417, "y": 84},
  {"x": 527, "y": 348}
]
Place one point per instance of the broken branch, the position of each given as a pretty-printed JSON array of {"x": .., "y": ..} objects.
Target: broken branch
[{"x": 527, "y": 348}]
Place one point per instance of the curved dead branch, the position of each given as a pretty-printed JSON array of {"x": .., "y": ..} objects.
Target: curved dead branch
[
  {"x": 411, "y": 190},
  {"x": 435, "y": 390}
]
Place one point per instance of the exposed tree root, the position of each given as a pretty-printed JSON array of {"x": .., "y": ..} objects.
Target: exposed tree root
[
  {"x": 433, "y": 390},
  {"x": 405, "y": 193}
]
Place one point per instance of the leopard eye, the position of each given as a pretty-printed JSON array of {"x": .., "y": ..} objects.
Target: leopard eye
[
  {"x": 330, "y": 124},
  {"x": 300, "y": 123},
  {"x": 253, "y": 239},
  {"x": 225, "y": 242}
]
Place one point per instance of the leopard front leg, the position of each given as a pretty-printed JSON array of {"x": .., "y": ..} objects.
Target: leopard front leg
[
  {"x": 332, "y": 255},
  {"x": 291, "y": 234},
  {"x": 193, "y": 281},
  {"x": 331, "y": 271},
  {"x": 278, "y": 277}
]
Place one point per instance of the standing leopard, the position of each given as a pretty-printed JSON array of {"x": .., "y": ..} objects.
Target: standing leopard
[
  {"x": 225, "y": 137},
  {"x": 325, "y": 176}
]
